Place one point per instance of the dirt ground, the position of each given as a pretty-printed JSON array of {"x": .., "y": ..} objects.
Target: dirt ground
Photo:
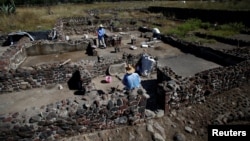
[{"x": 196, "y": 116}]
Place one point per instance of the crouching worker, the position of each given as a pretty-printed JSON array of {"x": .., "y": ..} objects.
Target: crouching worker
[
  {"x": 75, "y": 82},
  {"x": 131, "y": 80},
  {"x": 156, "y": 33}
]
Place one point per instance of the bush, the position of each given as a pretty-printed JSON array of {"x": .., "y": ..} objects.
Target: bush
[{"x": 8, "y": 8}]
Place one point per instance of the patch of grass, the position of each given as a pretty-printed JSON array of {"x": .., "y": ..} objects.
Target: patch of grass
[
  {"x": 196, "y": 25},
  {"x": 183, "y": 29},
  {"x": 226, "y": 29},
  {"x": 40, "y": 18}
]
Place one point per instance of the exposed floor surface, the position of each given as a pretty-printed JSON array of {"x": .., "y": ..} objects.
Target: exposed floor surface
[
  {"x": 183, "y": 64},
  {"x": 187, "y": 64},
  {"x": 37, "y": 97}
]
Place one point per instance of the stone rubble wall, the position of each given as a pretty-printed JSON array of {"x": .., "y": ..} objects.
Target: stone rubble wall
[
  {"x": 242, "y": 52},
  {"x": 15, "y": 55},
  {"x": 235, "y": 42},
  {"x": 89, "y": 24},
  {"x": 222, "y": 58},
  {"x": 39, "y": 76},
  {"x": 174, "y": 91},
  {"x": 46, "y": 48},
  {"x": 68, "y": 117}
]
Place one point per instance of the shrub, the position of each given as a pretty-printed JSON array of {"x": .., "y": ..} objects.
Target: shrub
[{"x": 9, "y": 8}]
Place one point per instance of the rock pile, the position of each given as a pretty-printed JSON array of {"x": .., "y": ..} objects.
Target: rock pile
[{"x": 92, "y": 111}]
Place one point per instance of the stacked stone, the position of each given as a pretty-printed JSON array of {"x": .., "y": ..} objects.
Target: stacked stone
[
  {"x": 15, "y": 55},
  {"x": 226, "y": 78},
  {"x": 37, "y": 76},
  {"x": 231, "y": 41},
  {"x": 243, "y": 52},
  {"x": 101, "y": 67},
  {"x": 7, "y": 56},
  {"x": 171, "y": 89},
  {"x": 17, "y": 58},
  {"x": 182, "y": 91},
  {"x": 229, "y": 108},
  {"x": 59, "y": 26},
  {"x": 74, "y": 116}
]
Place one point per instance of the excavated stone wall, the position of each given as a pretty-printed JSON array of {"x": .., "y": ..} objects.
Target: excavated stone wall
[
  {"x": 38, "y": 76},
  {"x": 74, "y": 116},
  {"x": 69, "y": 117},
  {"x": 235, "y": 42},
  {"x": 205, "y": 52},
  {"x": 174, "y": 91},
  {"x": 15, "y": 55}
]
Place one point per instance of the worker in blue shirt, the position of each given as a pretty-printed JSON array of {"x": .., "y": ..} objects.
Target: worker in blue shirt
[
  {"x": 131, "y": 80},
  {"x": 100, "y": 33}
]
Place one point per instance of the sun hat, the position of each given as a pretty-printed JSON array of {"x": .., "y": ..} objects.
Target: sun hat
[
  {"x": 100, "y": 25},
  {"x": 130, "y": 69}
]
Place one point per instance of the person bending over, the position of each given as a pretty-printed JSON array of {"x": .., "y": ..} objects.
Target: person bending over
[{"x": 131, "y": 80}]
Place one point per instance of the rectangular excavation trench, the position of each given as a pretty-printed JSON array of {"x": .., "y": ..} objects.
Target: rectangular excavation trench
[{"x": 187, "y": 64}]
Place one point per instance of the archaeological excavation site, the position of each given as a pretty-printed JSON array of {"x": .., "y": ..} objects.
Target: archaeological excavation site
[{"x": 189, "y": 86}]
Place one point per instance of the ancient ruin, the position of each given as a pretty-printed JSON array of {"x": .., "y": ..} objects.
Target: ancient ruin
[{"x": 98, "y": 110}]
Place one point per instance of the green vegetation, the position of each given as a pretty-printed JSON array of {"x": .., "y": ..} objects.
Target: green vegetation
[
  {"x": 8, "y": 8},
  {"x": 226, "y": 29},
  {"x": 41, "y": 15},
  {"x": 44, "y": 17},
  {"x": 186, "y": 30},
  {"x": 205, "y": 4}
]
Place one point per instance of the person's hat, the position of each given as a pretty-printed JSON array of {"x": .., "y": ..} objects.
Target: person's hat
[
  {"x": 130, "y": 69},
  {"x": 100, "y": 25}
]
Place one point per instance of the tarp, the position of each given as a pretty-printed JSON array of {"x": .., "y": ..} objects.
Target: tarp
[
  {"x": 38, "y": 35},
  {"x": 147, "y": 64}
]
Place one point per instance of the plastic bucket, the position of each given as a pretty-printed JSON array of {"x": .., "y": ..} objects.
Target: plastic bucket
[{"x": 108, "y": 79}]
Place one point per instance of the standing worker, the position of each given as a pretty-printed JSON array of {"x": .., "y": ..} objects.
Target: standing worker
[{"x": 100, "y": 34}]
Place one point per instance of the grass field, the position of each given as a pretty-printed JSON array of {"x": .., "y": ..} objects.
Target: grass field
[{"x": 44, "y": 18}]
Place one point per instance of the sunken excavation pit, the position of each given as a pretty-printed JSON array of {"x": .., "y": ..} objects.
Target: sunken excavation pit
[{"x": 106, "y": 110}]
